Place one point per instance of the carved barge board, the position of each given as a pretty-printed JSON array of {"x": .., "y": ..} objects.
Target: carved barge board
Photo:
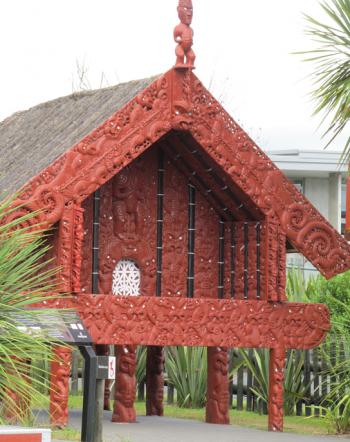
[{"x": 207, "y": 322}]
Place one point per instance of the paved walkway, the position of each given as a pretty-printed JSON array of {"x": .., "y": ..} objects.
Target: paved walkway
[{"x": 165, "y": 429}]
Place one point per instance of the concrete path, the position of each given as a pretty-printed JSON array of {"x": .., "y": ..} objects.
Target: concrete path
[{"x": 165, "y": 429}]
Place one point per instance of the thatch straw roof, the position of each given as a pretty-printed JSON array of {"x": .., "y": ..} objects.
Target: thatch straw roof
[{"x": 32, "y": 139}]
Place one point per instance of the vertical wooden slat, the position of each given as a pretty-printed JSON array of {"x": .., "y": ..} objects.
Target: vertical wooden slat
[
  {"x": 221, "y": 263},
  {"x": 246, "y": 262},
  {"x": 233, "y": 257},
  {"x": 258, "y": 227},
  {"x": 191, "y": 239},
  {"x": 95, "y": 240},
  {"x": 160, "y": 217}
]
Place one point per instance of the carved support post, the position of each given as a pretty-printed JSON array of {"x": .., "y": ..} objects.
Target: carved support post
[
  {"x": 154, "y": 381},
  {"x": 69, "y": 260},
  {"x": 103, "y": 350},
  {"x": 125, "y": 387},
  {"x": 276, "y": 380},
  {"x": 59, "y": 385},
  {"x": 217, "y": 386}
]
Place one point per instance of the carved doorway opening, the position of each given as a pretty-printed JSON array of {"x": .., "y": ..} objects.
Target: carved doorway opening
[{"x": 126, "y": 278}]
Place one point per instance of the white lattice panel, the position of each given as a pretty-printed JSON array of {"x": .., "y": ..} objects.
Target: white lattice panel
[{"x": 126, "y": 278}]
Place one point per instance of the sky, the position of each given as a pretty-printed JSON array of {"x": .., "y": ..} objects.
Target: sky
[{"x": 244, "y": 55}]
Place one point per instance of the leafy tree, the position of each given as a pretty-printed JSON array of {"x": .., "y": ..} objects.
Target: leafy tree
[{"x": 331, "y": 75}]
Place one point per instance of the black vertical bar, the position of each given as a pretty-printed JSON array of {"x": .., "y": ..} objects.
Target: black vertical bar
[
  {"x": 246, "y": 260},
  {"x": 95, "y": 239},
  {"x": 160, "y": 199},
  {"x": 258, "y": 282},
  {"x": 233, "y": 258},
  {"x": 191, "y": 239},
  {"x": 90, "y": 373},
  {"x": 221, "y": 262}
]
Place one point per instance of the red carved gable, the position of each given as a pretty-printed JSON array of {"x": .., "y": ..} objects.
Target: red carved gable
[{"x": 178, "y": 101}]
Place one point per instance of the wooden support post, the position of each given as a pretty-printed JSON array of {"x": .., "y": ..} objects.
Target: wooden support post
[
  {"x": 217, "y": 387},
  {"x": 154, "y": 381},
  {"x": 59, "y": 386},
  {"x": 276, "y": 380},
  {"x": 69, "y": 259},
  {"x": 125, "y": 387}
]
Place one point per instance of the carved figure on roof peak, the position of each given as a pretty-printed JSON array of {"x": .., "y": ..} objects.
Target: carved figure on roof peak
[{"x": 183, "y": 36}]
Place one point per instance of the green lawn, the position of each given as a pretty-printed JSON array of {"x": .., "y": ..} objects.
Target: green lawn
[{"x": 294, "y": 424}]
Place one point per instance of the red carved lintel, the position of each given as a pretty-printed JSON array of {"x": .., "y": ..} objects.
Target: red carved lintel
[{"x": 148, "y": 320}]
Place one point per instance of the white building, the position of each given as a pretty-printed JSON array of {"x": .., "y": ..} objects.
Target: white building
[{"x": 321, "y": 178}]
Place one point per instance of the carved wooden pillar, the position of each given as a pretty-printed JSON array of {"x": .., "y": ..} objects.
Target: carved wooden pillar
[
  {"x": 217, "y": 391},
  {"x": 154, "y": 381},
  {"x": 69, "y": 246},
  {"x": 276, "y": 379},
  {"x": 125, "y": 391},
  {"x": 60, "y": 372}
]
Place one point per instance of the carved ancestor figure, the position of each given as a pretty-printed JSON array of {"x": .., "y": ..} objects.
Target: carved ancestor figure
[
  {"x": 125, "y": 392},
  {"x": 217, "y": 390},
  {"x": 183, "y": 36},
  {"x": 154, "y": 381},
  {"x": 275, "y": 404},
  {"x": 59, "y": 383}
]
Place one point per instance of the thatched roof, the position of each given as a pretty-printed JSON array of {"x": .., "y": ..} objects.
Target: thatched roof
[{"x": 32, "y": 139}]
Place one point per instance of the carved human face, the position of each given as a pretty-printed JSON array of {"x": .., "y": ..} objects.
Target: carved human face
[{"x": 185, "y": 14}]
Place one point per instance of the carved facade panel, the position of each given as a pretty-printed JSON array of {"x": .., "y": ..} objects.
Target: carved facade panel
[
  {"x": 262, "y": 182},
  {"x": 86, "y": 265},
  {"x": 206, "y": 250},
  {"x": 175, "y": 233},
  {"x": 128, "y": 223},
  {"x": 143, "y": 320}
]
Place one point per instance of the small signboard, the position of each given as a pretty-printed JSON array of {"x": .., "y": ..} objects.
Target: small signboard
[
  {"x": 63, "y": 325},
  {"x": 106, "y": 367}
]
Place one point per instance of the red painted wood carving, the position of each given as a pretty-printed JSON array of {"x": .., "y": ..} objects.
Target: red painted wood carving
[
  {"x": 183, "y": 36},
  {"x": 276, "y": 379},
  {"x": 154, "y": 381},
  {"x": 59, "y": 386},
  {"x": 125, "y": 394},
  {"x": 144, "y": 320},
  {"x": 217, "y": 390},
  {"x": 234, "y": 180}
]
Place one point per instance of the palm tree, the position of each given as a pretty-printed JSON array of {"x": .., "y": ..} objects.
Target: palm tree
[
  {"x": 24, "y": 280},
  {"x": 331, "y": 75}
]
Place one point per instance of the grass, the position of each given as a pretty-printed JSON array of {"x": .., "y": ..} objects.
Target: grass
[{"x": 293, "y": 424}]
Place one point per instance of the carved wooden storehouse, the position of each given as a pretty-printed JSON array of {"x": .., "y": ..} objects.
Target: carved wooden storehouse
[{"x": 171, "y": 227}]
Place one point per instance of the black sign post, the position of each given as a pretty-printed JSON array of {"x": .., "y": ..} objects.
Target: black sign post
[{"x": 66, "y": 326}]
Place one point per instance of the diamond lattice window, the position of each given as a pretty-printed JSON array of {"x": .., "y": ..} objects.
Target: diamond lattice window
[{"x": 126, "y": 278}]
